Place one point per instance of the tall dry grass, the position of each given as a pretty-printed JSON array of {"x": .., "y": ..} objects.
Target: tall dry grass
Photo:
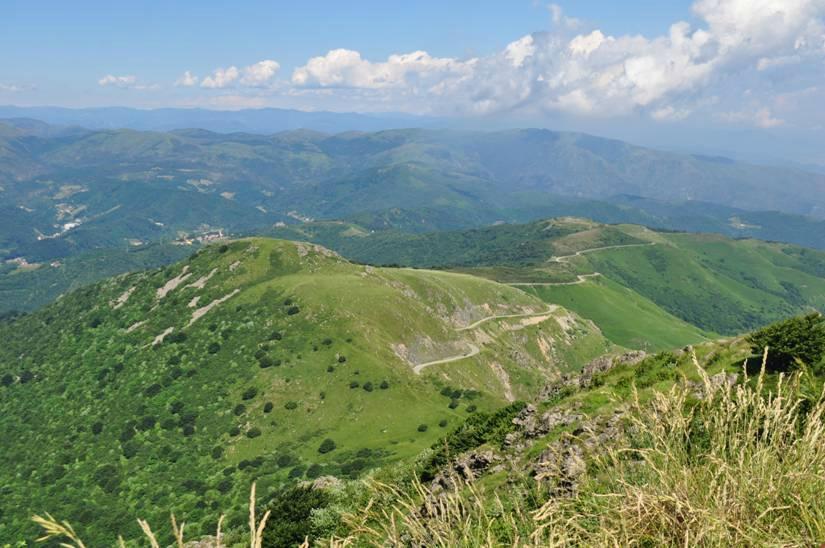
[
  {"x": 743, "y": 466},
  {"x": 63, "y": 531}
]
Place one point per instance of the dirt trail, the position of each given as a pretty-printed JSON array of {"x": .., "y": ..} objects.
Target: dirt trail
[
  {"x": 474, "y": 350},
  {"x": 581, "y": 278}
]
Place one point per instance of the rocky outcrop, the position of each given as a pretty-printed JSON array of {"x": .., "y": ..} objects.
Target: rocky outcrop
[
  {"x": 584, "y": 379},
  {"x": 530, "y": 425}
]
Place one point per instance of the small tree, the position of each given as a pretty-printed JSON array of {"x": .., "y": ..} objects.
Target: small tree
[{"x": 802, "y": 338}]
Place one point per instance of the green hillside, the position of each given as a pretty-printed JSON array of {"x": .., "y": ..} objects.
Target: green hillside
[
  {"x": 174, "y": 388},
  {"x": 624, "y": 316},
  {"x": 714, "y": 283}
]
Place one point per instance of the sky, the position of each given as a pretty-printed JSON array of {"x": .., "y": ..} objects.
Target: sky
[{"x": 750, "y": 64}]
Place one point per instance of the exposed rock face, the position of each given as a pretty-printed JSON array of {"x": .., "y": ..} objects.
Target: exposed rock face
[
  {"x": 533, "y": 426},
  {"x": 585, "y": 378},
  {"x": 474, "y": 464},
  {"x": 563, "y": 461}
]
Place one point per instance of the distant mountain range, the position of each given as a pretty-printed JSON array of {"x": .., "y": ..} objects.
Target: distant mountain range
[
  {"x": 67, "y": 190},
  {"x": 264, "y": 120}
]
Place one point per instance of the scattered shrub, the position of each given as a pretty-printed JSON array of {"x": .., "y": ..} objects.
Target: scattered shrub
[
  {"x": 384, "y": 385},
  {"x": 800, "y": 338},
  {"x": 152, "y": 390},
  {"x": 291, "y": 405},
  {"x": 422, "y": 427},
  {"x": 239, "y": 409},
  {"x": 249, "y": 393},
  {"x": 326, "y": 446},
  {"x": 368, "y": 386},
  {"x": 213, "y": 348},
  {"x": 253, "y": 432},
  {"x": 291, "y": 516},
  {"x": 268, "y": 407}
]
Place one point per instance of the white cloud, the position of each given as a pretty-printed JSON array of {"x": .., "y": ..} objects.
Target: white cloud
[
  {"x": 517, "y": 52},
  {"x": 221, "y": 78},
  {"x": 260, "y": 74},
  {"x": 118, "y": 81},
  {"x": 126, "y": 82},
  {"x": 11, "y": 88},
  {"x": 187, "y": 79},
  {"x": 770, "y": 47},
  {"x": 346, "y": 68}
]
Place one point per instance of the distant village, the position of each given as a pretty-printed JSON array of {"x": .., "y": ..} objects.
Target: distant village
[{"x": 203, "y": 238}]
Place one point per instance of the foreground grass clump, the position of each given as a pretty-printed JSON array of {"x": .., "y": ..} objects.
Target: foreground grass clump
[{"x": 713, "y": 465}]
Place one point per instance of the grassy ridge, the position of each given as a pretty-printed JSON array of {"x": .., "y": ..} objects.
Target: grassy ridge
[
  {"x": 624, "y": 316},
  {"x": 712, "y": 282},
  {"x": 134, "y": 379}
]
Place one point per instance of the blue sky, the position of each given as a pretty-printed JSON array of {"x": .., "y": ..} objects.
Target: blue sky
[
  {"x": 756, "y": 64},
  {"x": 76, "y": 41}
]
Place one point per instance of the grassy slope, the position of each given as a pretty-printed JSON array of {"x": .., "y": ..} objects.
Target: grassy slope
[
  {"x": 716, "y": 283},
  {"x": 624, "y": 316},
  {"x": 712, "y": 282},
  {"x": 130, "y": 413}
]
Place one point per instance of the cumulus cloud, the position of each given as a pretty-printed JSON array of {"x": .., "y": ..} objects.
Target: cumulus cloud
[
  {"x": 125, "y": 82},
  {"x": 589, "y": 72},
  {"x": 346, "y": 68},
  {"x": 187, "y": 79},
  {"x": 118, "y": 81},
  {"x": 259, "y": 74},
  {"x": 221, "y": 78}
]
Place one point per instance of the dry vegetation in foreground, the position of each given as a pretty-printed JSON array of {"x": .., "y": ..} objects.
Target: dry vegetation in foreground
[
  {"x": 740, "y": 465},
  {"x": 745, "y": 466}
]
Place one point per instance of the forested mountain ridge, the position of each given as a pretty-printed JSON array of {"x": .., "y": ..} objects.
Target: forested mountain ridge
[{"x": 146, "y": 185}]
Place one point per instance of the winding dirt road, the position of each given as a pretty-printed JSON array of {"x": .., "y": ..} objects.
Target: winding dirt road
[
  {"x": 474, "y": 350},
  {"x": 581, "y": 278}
]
